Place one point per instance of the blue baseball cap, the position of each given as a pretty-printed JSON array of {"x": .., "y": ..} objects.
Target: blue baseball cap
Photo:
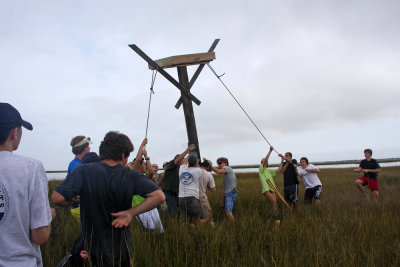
[{"x": 10, "y": 118}]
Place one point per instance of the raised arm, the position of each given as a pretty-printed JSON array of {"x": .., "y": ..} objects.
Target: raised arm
[
  {"x": 150, "y": 171},
  {"x": 160, "y": 179},
  {"x": 189, "y": 149},
  {"x": 265, "y": 160},
  {"x": 282, "y": 168},
  {"x": 136, "y": 164}
]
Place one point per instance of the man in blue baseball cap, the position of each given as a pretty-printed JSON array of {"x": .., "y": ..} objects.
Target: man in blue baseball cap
[{"x": 25, "y": 213}]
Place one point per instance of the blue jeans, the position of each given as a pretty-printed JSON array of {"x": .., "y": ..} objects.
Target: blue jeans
[
  {"x": 172, "y": 202},
  {"x": 229, "y": 201}
]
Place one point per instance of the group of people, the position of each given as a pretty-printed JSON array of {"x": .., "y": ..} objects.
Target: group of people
[
  {"x": 105, "y": 194},
  {"x": 313, "y": 186}
]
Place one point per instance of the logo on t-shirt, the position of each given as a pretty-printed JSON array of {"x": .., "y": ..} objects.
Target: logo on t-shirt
[
  {"x": 3, "y": 203},
  {"x": 186, "y": 178}
]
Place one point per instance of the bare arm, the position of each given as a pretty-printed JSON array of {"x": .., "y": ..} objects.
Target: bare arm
[
  {"x": 265, "y": 161},
  {"x": 41, "y": 235},
  {"x": 185, "y": 161},
  {"x": 150, "y": 171},
  {"x": 316, "y": 170},
  {"x": 189, "y": 149},
  {"x": 160, "y": 179},
  {"x": 372, "y": 170},
  {"x": 219, "y": 171},
  {"x": 213, "y": 189},
  {"x": 282, "y": 168},
  {"x": 136, "y": 164},
  {"x": 152, "y": 200},
  {"x": 59, "y": 199}
]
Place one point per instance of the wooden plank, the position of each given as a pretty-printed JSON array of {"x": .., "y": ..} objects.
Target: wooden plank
[
  {"x": 164, "y": 73},
  {"x": 197, "y": 73},
  {"x": 185, "y": 60}
]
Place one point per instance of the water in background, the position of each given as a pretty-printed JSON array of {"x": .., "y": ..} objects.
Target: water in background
[{"x": 61, "y": 176}]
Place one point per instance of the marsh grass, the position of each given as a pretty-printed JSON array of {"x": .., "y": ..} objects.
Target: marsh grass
[{"x": 346, "y": 230}]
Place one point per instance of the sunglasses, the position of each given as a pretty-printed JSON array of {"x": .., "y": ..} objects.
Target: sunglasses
[{"x": 219, "y": 163}]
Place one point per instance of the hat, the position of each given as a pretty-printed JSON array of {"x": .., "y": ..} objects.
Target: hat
[
  {"x": 10, "y": 118},
  {"x": 192, "y": 159}
]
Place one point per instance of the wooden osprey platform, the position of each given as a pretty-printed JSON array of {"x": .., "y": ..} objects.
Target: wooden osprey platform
[
  {"x": 184, "y": 85},
  {"x": 185, "y": 60}
]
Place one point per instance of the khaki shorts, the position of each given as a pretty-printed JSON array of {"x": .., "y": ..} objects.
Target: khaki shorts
[{"x": 206, "y": 206}]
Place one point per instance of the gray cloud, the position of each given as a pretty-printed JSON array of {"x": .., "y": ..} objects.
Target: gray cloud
[{"x": 299, "y": 70}]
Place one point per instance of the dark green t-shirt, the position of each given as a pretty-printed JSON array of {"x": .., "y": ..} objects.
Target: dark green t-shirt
[{"x": 171, "y": 178}]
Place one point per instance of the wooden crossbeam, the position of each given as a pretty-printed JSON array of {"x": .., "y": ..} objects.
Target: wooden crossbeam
[
  {"x": 197, "y": 73},
  {"x": 164, "y": 73}
]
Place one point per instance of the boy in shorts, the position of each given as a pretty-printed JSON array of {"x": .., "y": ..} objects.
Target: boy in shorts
[
  {"x": 311, "y": 181},
  {"x": 268, "y": 174},
  {"x": 290, "y": 181},
  {"x": 230, "y": 187},
  {"x": 206, "y": 181},
  {"x": 189, "y": 203},
  {"x": 371, "y": 169}
]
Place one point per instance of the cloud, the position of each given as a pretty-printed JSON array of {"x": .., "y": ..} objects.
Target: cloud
[{"x": 297, "y": 69}]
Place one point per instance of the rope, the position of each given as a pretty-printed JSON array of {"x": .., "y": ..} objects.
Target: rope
[
  {"x": 219, "y": 78},
  {"x": 153, "y": 79}
]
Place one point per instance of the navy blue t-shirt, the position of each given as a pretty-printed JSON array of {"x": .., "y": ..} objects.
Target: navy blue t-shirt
[
  {"x": 290, "y": 176},
  {"x": 102, "y": 190},
  {"x": 370, "y": 165}
]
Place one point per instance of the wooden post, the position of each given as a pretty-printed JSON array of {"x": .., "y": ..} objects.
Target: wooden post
[{"x": 188, "y": 110}]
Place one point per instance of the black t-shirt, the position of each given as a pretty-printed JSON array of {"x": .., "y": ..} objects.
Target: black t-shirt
[
  {"x": 370, "y": 165},
  {"x": 290, "y": 176},
  {"x": 102, "y": 190},
  {"x": 171, "y": 178}
]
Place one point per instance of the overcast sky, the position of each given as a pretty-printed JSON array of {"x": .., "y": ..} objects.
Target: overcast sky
[{"x": 319, "y": 78}]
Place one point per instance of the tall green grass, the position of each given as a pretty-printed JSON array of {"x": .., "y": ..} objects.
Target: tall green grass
[{"x": 346, "y": 230}]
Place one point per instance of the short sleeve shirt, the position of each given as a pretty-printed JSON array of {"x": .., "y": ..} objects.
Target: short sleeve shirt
[
  {"x": 266, "y": 174},
  {"x": 370, "y": 165},
  {"x": 73, "y": 164},
  {"x": 24, "y": 205},
  {"x": 189, "y": 181},
  {"x": 310, "y": 178},
  {"x": 229, "y": 180},
  {"x": 171, "y": 178},
  {"x": 103, "y": 190},
  {"x": 290, "y": 176},
  {"x": 206, "y": 181}
]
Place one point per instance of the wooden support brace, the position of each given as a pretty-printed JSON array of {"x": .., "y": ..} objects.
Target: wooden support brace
[
  {"x": 164, "y": 73},
  {"x": 197, "y": 73}
]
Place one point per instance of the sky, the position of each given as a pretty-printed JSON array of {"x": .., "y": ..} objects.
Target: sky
[{"x": 319, "y": 78}]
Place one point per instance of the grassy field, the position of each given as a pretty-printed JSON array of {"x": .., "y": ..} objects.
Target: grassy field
[{"x": 346, "y": 230}]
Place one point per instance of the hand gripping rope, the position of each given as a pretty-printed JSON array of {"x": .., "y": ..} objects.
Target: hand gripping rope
[{"x": 219, "y": 78}]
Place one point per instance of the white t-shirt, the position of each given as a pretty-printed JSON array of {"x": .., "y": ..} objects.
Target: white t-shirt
[
  {"x": 189, "y": 181},
  {"x": 310, "y": 178},
  {"x": 24, "y": 205},
  {"x": 205, "y": 180}
]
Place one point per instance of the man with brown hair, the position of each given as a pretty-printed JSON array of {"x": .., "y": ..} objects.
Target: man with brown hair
[
  {"x": 230, "y": 186},
  {"x": 106, "y": 189},
  {"x": 80, "y": 146},
  {"x": 371, "y": 170}
]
